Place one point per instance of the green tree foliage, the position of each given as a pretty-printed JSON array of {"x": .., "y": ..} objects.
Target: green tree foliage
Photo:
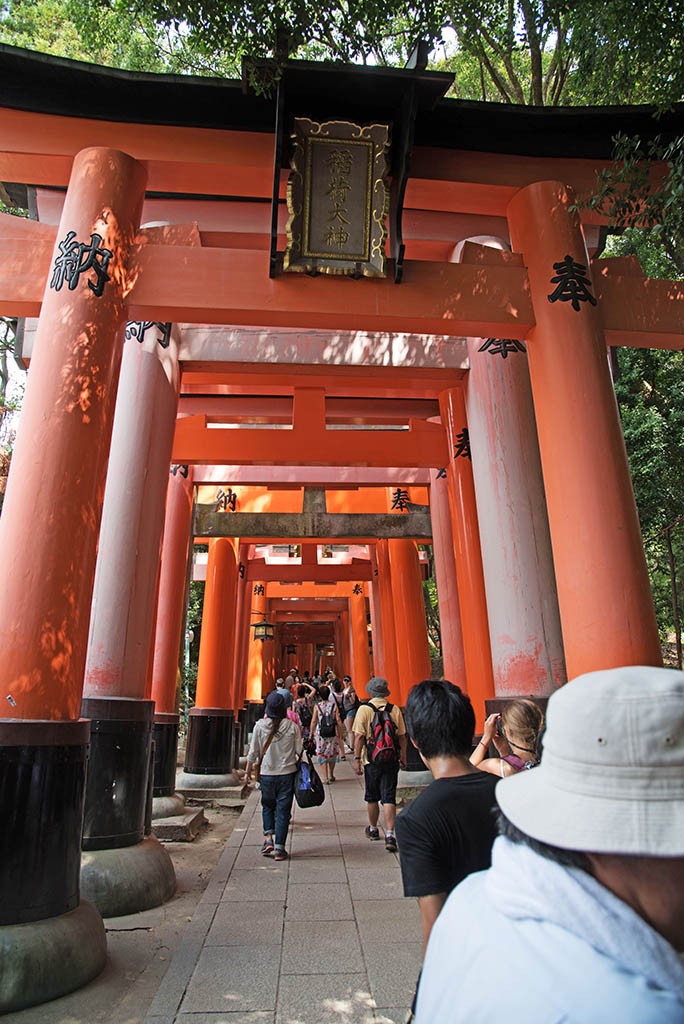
[
  {"x": 111, "y": 33},
  {"x": 649, "y": 386},
  {"x": 629, "y": 51},
  {"x": 515, "y": 51}
]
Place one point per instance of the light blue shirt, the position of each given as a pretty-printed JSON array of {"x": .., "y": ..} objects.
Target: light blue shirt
[{"x": 483, "y": 966}]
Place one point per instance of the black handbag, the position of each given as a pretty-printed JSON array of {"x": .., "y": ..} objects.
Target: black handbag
[{"x": 308, "y": 788}]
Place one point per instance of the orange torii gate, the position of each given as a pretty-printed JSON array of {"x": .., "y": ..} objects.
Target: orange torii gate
[{"x": 88, "y": 268}]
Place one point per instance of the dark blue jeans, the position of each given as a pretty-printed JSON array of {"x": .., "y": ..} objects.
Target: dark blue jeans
[{"x": 277, "y": 792}]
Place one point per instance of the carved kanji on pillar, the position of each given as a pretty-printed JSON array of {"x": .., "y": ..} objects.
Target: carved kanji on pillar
[
  {"x": 462, "y": 447},
  {"x": 76, "y": 258},
  {"x": 138, "y": 329},
  {"x": 572, "y": 284},
  {"x": 226, "y": 500},
  {"x": 502, "y": 346},
  {"x": 400, "y": 498}
]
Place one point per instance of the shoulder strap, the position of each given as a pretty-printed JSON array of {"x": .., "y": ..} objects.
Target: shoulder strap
[{"x": 268, "y": 742}]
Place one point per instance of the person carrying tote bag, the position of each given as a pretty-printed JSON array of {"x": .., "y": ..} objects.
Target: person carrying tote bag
[
  {"x": 276, "y": 746},
  {"x": 309, "y": 791}
]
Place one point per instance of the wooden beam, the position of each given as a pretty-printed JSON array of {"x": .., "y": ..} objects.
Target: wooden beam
[
  {"x": 323, "y": 527},
  {"x": 187, "y": 284}
]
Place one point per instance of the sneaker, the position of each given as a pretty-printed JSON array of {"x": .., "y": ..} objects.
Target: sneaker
[
  {"x": 372, "y": 832},
  {"x": 390, "y": 844},
  {"x": 267, "y": 849},
  {"x": 280, "y": 853}
]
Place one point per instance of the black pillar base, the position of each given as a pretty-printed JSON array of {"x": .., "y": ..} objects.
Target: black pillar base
[
  {"x": 117, "y": 786},
  {"x": 209, "y": 744},
  {"x": 255, "y": 711},
  {"x": 238, "y": 740},
  {"x": 165, "y": 736},
  {"x": 414, "y": 763},
  {"x": 129, "y": 879},
  {"x": 42, "y": 784},
  {"x": 46, "y": 959}
]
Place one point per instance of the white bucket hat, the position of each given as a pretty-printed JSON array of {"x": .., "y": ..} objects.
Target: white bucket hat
[{"x": 611, "y": 778}]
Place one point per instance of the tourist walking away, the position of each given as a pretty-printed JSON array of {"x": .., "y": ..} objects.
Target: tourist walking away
[
  {"x": 516, "y": 734},
  {"x": 302, "y": 709},
  {"x": 326, "y": 730},
  {"x": 275, "y": 747},
  {"x": 350, "y": 705},
  {"x": 379, "y": 753},
  {"x": 448, "y": 830},
  {"x": 581, "y": 916},
  {"x": 287, "y": 695},
  {"x": 336, "y": 693}
]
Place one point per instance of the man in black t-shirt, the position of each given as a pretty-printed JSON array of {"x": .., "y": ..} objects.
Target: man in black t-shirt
[{"x": 448, "y": 830}]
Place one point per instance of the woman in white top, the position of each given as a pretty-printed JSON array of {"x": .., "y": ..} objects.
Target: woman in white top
[{"x": 276, "y": 746}]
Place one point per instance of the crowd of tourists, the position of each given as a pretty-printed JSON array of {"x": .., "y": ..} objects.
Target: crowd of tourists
[{"x": 549, "y": 855}]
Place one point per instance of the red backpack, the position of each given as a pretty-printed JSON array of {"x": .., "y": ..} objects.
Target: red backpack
[{"x": 381, "y": 745}]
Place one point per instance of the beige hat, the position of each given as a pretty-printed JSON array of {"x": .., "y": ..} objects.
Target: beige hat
[{"x": 611, "y": 778}]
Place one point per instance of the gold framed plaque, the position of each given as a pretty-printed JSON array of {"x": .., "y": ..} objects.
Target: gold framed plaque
[{"x": 337, "y": 199}]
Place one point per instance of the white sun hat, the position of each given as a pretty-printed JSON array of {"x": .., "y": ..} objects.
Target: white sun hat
[{"x": 611, "y": 778}]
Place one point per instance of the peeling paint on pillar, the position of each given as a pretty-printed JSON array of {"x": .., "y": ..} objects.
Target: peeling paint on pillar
[{"x": 517, "y": 562}]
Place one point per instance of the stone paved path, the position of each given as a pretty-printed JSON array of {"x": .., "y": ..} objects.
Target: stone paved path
[{"x": 323, "y": 938}]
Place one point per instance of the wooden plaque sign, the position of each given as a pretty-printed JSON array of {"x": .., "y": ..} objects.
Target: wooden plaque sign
[{"x": 337, "y": 199}]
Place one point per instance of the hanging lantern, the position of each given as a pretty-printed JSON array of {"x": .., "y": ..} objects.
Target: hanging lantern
[{"x": 263, "y": 630}]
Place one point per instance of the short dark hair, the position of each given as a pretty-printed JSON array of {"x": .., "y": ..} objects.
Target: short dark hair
[
  {"x": 568, "y": 858},
  {"x": 301, "y": 691},
  {"x": 337, "y": 686},
  {"x": 324, "y": 692},
  {"x": 440, "y": 719}
]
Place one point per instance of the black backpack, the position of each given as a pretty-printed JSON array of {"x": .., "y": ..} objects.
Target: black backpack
[
  {"x": 304, "y": 714},
  {"x": 327, "y": 726}
]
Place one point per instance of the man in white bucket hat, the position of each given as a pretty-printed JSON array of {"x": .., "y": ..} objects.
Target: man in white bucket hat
[{"x": 580, "y": 919}]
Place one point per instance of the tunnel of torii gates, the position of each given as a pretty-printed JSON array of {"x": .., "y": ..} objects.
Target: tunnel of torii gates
[{"x": 323, "y": 425}]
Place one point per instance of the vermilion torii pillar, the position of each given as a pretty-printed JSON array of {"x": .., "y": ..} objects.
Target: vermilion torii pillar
[
  {"x": 59, "y": 465},
  {"x": 241, "y": 630},
  {"x": 409, "y": 615},
  {"x": 522, "y": 604},
  {"x": 360, "y": 666},
  {"x": 389, "y": 639},
  {"x": 469, "y": 576},
  {"x": 168, "y": 628},
  {"x": 241, "y": 654},
  {"x": 255, "y": 663},
  {"x": 445, "y": 574},
  {"x": 604, "y": 595},
  {"x": 344, "y": 661},
  {"x": 378, "y": 660},
  {"x": 120, "y": 646},
  {"x": 210, "y": 724}
]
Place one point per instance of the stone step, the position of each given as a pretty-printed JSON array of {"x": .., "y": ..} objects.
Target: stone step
[{"x": 180, "y": 828}]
